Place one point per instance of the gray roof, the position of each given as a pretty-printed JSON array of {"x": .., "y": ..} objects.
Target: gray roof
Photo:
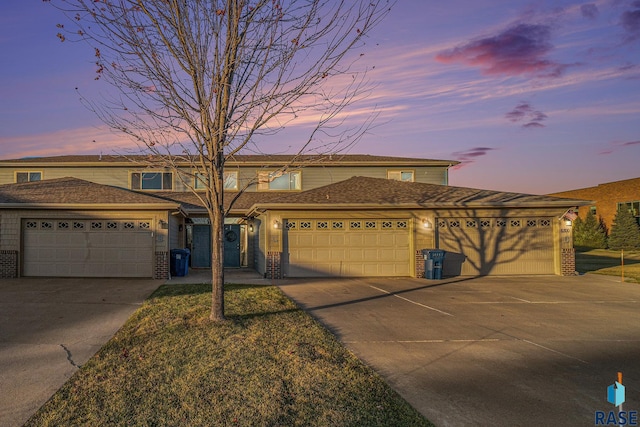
[
  {"x": 266, "y": 160},
  {"x": 385, "y": 192},
  {"x": 73, "y": 191}
]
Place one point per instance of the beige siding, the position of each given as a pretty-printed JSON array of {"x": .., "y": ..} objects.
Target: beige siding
[{"x": 312, "y": 176}]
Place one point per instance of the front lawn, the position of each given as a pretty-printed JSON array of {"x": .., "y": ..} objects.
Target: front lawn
[
  {"x": 270, "y": 364},
  {"x": 603, "y": 261}
]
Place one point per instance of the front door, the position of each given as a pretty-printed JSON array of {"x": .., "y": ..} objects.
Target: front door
[
  {"x": 232, "y": 245},
  {"x": 201, "y": 246}
]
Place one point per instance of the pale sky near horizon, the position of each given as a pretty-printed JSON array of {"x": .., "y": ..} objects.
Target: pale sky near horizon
[{"x": 531, "y": 96}]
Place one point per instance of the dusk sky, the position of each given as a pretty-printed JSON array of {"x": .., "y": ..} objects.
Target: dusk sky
[{"x": 531, "y": 96}]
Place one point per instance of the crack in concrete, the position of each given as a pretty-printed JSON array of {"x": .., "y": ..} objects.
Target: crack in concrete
[{"x": 69, "y": 357}]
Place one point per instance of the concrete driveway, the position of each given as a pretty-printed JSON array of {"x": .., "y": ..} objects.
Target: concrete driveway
[
  {"x": 500, "y": 351},
  {"x": 50, "y": 327}
]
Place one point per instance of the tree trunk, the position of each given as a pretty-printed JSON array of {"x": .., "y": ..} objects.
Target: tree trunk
[{"x": 217, "y": 267}]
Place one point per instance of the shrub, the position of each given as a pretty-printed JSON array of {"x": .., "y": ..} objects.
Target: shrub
[
  {"x": 589, "y": 233},
  {"x": 625, "y": 232}
]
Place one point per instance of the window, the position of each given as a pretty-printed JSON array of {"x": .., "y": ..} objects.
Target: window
[
  {"x": 400, "y": 175},
  {"x": 28, "y": 176},
  {"x": 633, "y": 207},
  {"x": 151, "y": 181},
  {"x": 230, "y": 181},
  {"x": 279, "y": 180}
]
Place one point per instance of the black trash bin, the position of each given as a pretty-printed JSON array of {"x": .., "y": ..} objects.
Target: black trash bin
[
  {"x": 179, "y": 264},
  {"x": 433, "y": 263}
]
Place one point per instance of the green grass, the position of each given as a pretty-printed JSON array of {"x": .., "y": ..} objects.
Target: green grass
[
  {"x": 270, "y": 364},
  {"x": 602, "y": 261}
]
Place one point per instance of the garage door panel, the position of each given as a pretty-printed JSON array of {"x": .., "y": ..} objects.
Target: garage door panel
[
  {"x": 498, "y": 246},
  {"x": 348, "y": 248},
  {"x": 82, "y": 248}
]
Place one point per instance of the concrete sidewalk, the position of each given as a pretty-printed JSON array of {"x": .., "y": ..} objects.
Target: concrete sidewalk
[{"x": 245, "y": 276}]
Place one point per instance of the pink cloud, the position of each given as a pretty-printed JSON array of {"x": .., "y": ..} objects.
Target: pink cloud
[{"x": 519, "y": 50}]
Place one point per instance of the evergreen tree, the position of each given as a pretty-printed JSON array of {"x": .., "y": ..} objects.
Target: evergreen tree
[
  {"x": 625, "y": 232},
  {"x": 589, "y": 233}
]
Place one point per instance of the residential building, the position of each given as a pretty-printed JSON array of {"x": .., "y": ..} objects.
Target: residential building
[
  {"x": 341, "y": 215},
  {"x": 607, "y": 199}
]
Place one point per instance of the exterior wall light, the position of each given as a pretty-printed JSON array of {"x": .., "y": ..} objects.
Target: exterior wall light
[
  {"x": 276, "y": 224},
  {"x": 251, "y": 228},
  {"x": 426, "y": 223},
  {"x": 568, "y": 222}
]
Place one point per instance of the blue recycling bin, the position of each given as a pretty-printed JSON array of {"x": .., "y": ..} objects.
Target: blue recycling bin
[
  {"x": 433, "y": 263},
  {"x": 179, "y": 263}
]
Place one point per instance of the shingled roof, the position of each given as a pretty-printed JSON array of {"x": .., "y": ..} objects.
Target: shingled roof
[
  {"x": 266, "y": 160},
  {"x": 389, "y": 193},
  {"x": 73, "y": 191}
]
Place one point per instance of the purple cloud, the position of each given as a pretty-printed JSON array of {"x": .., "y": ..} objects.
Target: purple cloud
[
  {"x": 630, "y": 21},
  {"x": 589, "y": 10},
  {"x": 524, "y": 111},
  {"x": 614, "y": 146},
  {"x": 468, "y": 156},
  {"x": 521, "y": 49}
]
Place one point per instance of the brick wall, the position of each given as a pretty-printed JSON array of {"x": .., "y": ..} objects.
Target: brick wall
[
  {"x": 8, "y": 264},
  {"x": 274, "y": 265},
  {"x": 568, "y": 262},
  {"x": 161, "y": 270},
  {"x": 419, "y": 264},
  {"x": 606, "y": 198}
]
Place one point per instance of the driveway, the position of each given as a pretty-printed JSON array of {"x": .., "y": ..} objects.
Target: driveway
[
  {"x": 500, "y": 351},
  {"x": 50, "y": 327}
]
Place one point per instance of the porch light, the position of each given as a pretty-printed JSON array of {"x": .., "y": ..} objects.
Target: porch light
[
  {"x": 251, "y": 228},
  {"x": 568, "y": 222},
  {"x": 426, "y": 223},
  {"x": 276, "y": 223}
]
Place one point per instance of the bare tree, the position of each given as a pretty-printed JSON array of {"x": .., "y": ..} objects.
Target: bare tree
[{"x": 200, "y": 80}]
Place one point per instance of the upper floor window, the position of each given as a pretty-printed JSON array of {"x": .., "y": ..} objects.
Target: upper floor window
[
  {"x": 230, "y": 181},
  {"x": 279, "y": 180},
  {"x": 28, "y": 176},
  {"x": 151, "y": 181},
  {"x": 400, "y": 175}
]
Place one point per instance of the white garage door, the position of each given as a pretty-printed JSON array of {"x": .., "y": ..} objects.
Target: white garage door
[
  {"x": 87, "y": 248},
  {"x": 347, "y": 247},
  {"x": 497, "y": 246}
]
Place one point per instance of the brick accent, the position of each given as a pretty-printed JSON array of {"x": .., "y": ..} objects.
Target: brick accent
[
  {"x": 568, "y": 262},
  {"x": 8, "y": 264},
  {"x": 419, "y": 265},
  {"x": 161, "y": 270},
  {"x": 274, "y": 265}
]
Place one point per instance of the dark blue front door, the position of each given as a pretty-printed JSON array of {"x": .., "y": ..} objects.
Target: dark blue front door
[
  {"x": 231, "y": 245},
  {"x": 201, "y": 246}
]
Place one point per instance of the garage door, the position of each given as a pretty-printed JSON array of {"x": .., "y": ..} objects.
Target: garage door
[
  {"x": 347, "y": 247},
  {"x": 87, "y": 248},
  {"x": 481, "y": 246}
]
